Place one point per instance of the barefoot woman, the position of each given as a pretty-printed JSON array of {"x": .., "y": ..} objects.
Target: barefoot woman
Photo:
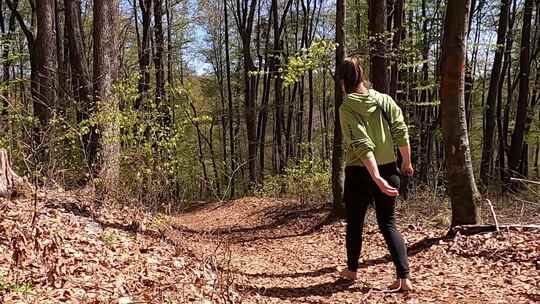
[{"x": 372, "y": 123}]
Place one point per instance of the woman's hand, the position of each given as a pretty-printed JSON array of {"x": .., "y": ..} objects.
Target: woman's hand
[
  {"x": 406, "y": 166},
  {"x": 407, "y": 169},
  {"x": 385, "y": 187}
]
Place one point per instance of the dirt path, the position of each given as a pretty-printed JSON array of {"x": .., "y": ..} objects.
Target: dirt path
[{"x": 276, "y": 252}]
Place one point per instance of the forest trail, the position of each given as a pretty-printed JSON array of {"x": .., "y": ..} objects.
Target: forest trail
[
  {"x": 250, "y": 250},
  {"x": 276, "y": 252}
]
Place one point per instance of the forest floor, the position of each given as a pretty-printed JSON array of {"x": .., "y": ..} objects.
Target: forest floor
[{"x": 250, "y": 250}]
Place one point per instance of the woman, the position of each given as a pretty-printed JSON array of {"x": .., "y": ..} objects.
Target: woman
[{"x": 372, "y": 123}]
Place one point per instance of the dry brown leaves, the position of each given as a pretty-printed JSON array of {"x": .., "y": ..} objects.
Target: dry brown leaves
[
  {"x": 247, "y": 251},
  {"x": 76, "y": 255}
]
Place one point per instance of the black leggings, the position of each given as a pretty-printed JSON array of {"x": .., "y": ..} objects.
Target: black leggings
[{"x": 360, "y": 192}]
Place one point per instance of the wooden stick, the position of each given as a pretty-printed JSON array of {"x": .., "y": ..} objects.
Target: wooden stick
[
  {"x": 494, "y": 215},
  {"x": 476, "y": 229},
  {"x": 525, "y": 181}
]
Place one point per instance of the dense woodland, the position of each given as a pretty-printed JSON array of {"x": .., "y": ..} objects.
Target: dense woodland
[
  {"x": 189, "y": 151},
  {"x": 168, "y": 101}
]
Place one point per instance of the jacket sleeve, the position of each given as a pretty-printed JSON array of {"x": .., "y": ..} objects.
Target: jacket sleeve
[
  {"x": 398, "y": 127},
  {"x": 355, "y": 138}
]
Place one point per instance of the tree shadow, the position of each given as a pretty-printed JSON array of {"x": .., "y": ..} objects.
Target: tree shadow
[
  {"x": 414, "y": 249},
  {"x": 321, "y": 290},
  {"x": 308, "y": 274},
  {"x": 288, "y": 215}
]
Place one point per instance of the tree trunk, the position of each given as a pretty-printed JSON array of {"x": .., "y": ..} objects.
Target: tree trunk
[
  {"x": 503, "y": 116},
  {"x": 396, "y": 43},
  {"x": 494, "y": 85},
  {"x": 10, "y": 183},
  {"x": 337, "y": 155},
  {"x": 105, "y": 74},
  {"x": 229, "y": 100},
  {"x": 81, "y": 76},
  {"x": 62, "y": 72},
  {"x": 144, "y": 50},
  {"x": 516, "y": 147},
  {"x": 44, "y": 50},
  {"x": 377, "y": 28},
  {"x": 170, "y": 79},
  {"x": 158, "y": 56},
  {"x": 461, "y": 183},
  {"x": 245, "y": 14}
]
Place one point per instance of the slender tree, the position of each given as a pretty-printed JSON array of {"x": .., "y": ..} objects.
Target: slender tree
[
  {"x": 82, "y": 86},
  {"x": 144, "y": 47},
  {"x": 518, "y": 135},
  {"x": 159, "y": 51},
  {"x": 229, "y": 99},
  {"x": 491, "y": 102},
  {"x": 337, "y": 155},
  {"x": 244, "y": 15}
]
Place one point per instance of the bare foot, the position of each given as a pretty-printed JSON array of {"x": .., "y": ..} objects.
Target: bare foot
[
  {"x": 404, "y": 285},
  {"x": 347, "y": 274}
]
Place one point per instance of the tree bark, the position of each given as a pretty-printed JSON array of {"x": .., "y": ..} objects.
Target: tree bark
[
  {"x": 229, "y": 100},
  {"x": 518, "y": 135},
  {"x": 106, "y": 66},
  {"x": 396, "y": 43},
  {"x": 461, "y": 183},
  {"x": 494, "y": 84},
  {"x": 144, "y": 50},
  {"x": 244, "y": 16},
  {"x": 158, "y": 56},
  {"x": 81, "y": 76},
  {"x": 377, "y": 29},
  {"x": 337, "y": 155}
]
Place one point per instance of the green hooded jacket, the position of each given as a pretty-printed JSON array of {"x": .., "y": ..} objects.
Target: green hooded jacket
[{"x": 366, "y": 133}]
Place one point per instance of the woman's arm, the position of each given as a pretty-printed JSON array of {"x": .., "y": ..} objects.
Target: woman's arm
[
  {"x": 383, "y": 185},
  {"x": 406, "y": 164}
]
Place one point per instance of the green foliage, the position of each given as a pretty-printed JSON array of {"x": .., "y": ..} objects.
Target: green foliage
[
  {"x": 109, "y": 239},
  {"x": 24, "y": 288},
  {"x": 318, "y": 55},
  {"x": 308, "y": 180}
]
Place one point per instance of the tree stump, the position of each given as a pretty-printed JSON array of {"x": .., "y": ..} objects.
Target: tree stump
[{"x": 10, "y": 183}]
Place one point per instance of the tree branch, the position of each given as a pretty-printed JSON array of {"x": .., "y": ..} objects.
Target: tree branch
[{"x": 27, "y": 32}]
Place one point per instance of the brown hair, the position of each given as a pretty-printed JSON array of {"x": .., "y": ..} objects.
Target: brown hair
[{"x": 352, "y": 73}]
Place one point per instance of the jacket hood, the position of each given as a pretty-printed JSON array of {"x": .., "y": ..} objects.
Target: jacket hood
[{"x": 363, "y": 104}]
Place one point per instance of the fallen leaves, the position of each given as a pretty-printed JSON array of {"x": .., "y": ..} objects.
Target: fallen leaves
[{"x": 247, "y": 251}]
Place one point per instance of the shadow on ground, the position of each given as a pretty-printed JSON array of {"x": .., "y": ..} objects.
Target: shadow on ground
[
  {"x": 320, "y": 290},
  {"x": 299, "y": 219}
]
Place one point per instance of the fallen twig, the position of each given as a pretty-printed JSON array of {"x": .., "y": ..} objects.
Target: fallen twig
[
  {"x": 525, "y": 181},
  {"x": 494, "y": 215},
  {"x": 476, "y": 229}
]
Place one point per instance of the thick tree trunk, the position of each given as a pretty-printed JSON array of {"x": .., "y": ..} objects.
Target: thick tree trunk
[
  {"x": 461, "y": 183},
  {"x": 44, "y": 49},
  {"x": 10, "y": 183},
  {"x": 494, "y": 85},
  {"x": 337, "y": 155},
  {"x": 106, "y": 66}
]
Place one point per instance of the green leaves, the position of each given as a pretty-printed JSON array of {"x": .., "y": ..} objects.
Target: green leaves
[{"x": 318, "y": 55}]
